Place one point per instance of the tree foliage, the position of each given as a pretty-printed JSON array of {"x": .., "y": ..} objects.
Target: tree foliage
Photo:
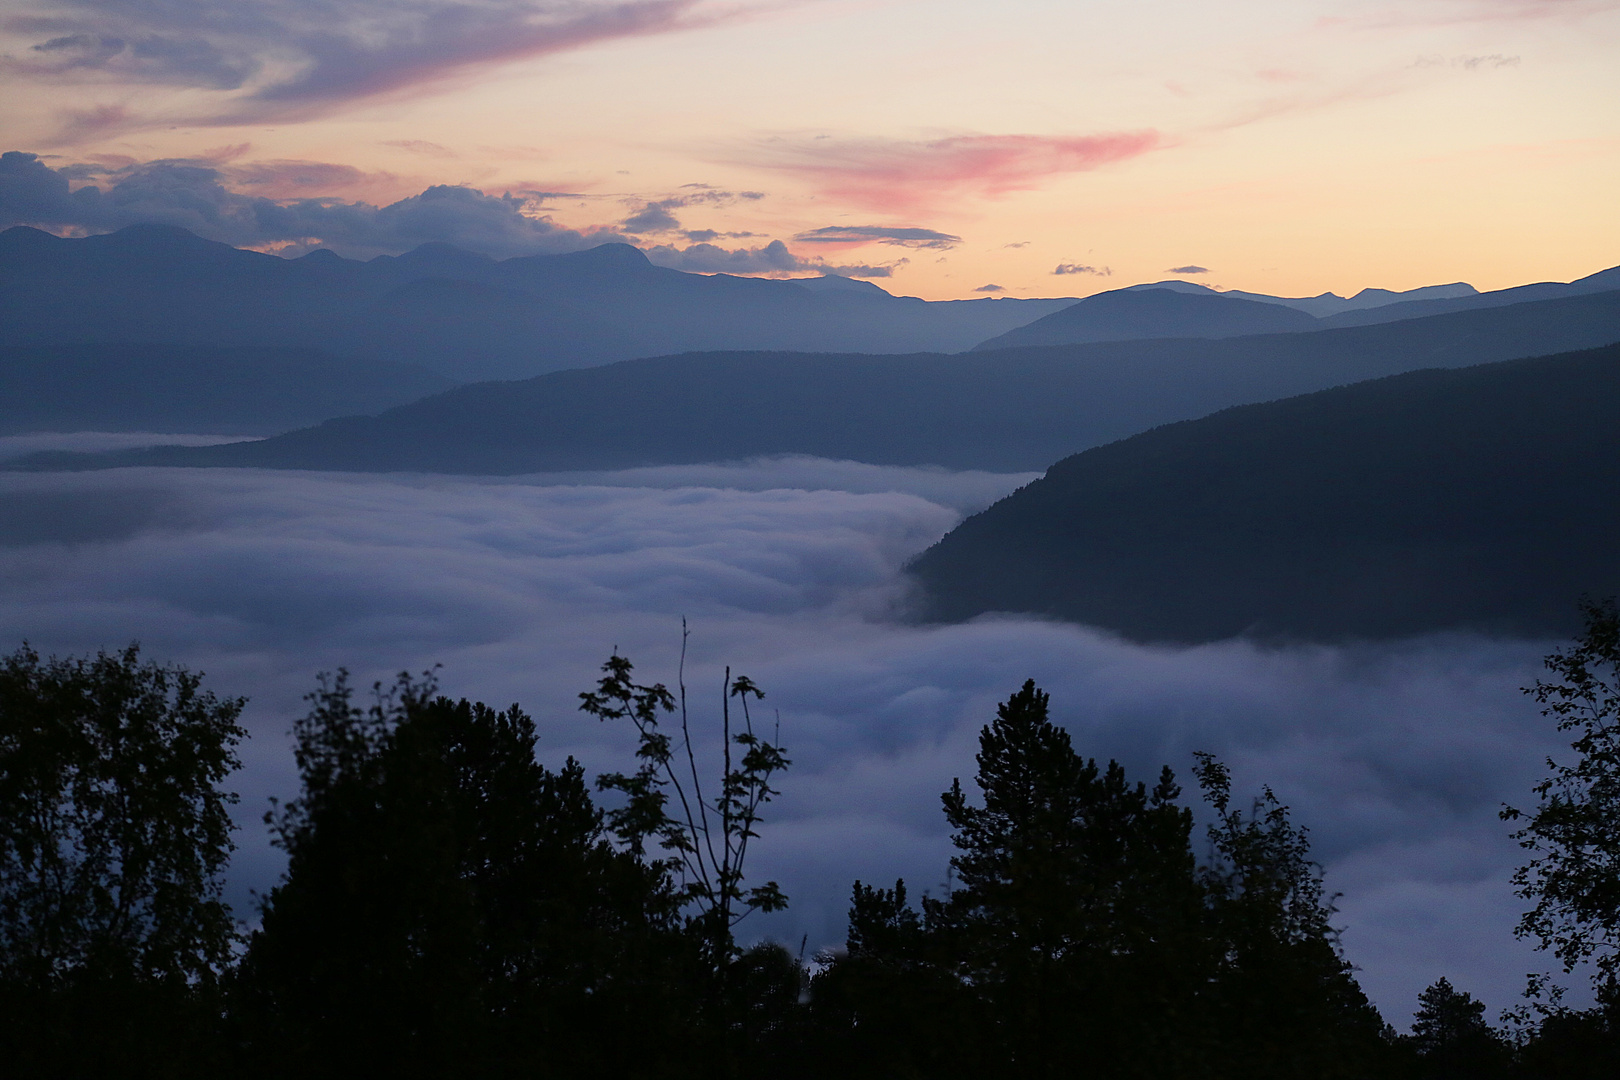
[
  {"x": 113, "y": 827},
  {"x": 451, "y": 906},
  {"x": 707, "y": 837},
  {"x": 114, "y": 833},
  {"x": 1451, "y": 1037},
  {"x": 1574, "y": 830},
  {"x": 1082, "y": 928}
]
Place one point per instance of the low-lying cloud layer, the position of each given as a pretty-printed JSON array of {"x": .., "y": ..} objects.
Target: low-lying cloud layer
[{"x": 1397, "y": 756}]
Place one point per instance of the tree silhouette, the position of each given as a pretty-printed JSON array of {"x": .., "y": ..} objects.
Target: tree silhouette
[
  {"x": 1082, "y": 935},
  {"x": 1574, "y": 831},
  {"x": 451, "y": 906},
  {"x": 114, "y": 832},
  {"x": 1452, "y": 1039},
  {"x": 1285, "y": 1001},
  {"x": 1077, "y": 910},
  {"x": 708, "y": 837}
]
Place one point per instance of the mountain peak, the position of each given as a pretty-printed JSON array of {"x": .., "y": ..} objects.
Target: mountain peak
[{"x": 836, "y": 283}]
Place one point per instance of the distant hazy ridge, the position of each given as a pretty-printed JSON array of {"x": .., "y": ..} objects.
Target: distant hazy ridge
[{"x": 1015, "y": 409}]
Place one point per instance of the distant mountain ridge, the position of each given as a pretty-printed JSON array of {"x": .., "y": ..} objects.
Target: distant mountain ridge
[
  {"x": 199, "y": 389},
  {"x": 1479, "y": 498},
  {"x": 467, "y": 316},
  {"x": 1128, "y": 314},
  {"x": 1325, "y": 304},
  {"x": 1167, "y": 309},
  {"x": 1013, "y": 409}
]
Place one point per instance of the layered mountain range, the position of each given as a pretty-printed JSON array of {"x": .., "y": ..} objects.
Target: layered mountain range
[
  {"x": 153, "y": 328},
  {"x": 467, "y": 317},
  {"x": 1011, "y": 409}
]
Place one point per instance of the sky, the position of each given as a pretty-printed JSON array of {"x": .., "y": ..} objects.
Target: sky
[
  {"x": 1397, "y": 757},
  {"x": 946, "y": 149}
]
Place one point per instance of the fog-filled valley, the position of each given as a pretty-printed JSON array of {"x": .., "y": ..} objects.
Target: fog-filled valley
[{"x": 1397, "y": 755}]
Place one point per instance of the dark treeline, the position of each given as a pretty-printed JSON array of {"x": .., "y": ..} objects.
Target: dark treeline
[{"x": 453, "y": 907}]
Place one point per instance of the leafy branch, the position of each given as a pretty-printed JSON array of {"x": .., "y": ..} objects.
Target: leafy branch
[{"x": 706, "y": 837}]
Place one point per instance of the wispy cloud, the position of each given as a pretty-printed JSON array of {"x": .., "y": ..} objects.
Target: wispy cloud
[
  {"x": 907, "y": 175},
  {"x": 658, "y": 215},
  {"x": 421, "y": 146},
  {"x": 1188, "y": 270},
  {"x": 880, "y": 234},
  {"x": 1081, "y": 268},
  {"x": 773, "y": 258},
  {"x": 271, "y": 59},
  {"x": 1452, "y": 12}
]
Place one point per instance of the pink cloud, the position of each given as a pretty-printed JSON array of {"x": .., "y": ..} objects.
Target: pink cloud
[
  {"x": 283, "y": 179},
  {"x": 92, "y": 123},
  {"x": 895, "y": 174}
]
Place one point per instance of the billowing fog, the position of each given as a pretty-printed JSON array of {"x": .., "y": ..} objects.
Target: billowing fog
[{"x": 1398, "y": 756}]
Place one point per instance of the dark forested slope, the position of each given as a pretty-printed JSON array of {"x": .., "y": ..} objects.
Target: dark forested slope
[
  {"x": 1484, "y": 497},
  {"x": 1012, "y": 409}
]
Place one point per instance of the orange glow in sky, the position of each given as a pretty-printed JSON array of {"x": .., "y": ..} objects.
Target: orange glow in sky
[{"x": 949, "y": 148}]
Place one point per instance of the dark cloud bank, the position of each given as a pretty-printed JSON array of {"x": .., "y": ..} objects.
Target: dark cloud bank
[
  {"x": 1397, "y": 756},
  {"x": 200, "y": 196},
  {"x": 193, "y": 196}
]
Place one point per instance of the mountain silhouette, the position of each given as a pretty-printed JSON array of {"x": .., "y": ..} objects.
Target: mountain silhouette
[
  {"x": 1602, "y": 281},
  {"x": 467, "y": 316},
  {"x": 1125, "y": 314},
  {"x": 1477, "y": 498},
  {"x": 1166, "y": 309},
  {"x": 1009, "y": 409}
]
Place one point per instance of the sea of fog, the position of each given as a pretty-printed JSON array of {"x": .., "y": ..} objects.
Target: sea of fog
[{"x": 1397, "y": 756}]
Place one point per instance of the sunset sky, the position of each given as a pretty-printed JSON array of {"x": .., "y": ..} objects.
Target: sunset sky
[{"x": 944, "y": 148}]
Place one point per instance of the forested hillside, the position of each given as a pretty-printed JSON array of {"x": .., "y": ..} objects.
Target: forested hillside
[{"x": 1479, "y": 498}]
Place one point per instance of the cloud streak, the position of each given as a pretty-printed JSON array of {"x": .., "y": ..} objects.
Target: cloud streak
[
  {"x": 658, "y": 215},
  {"x": 773, "y": 258},
  {"x": 1396, "y": 756},
  {"x": 1081, "y": 268},
  {"x": 276, "y": 59},
  {"x": 904, "y": 175},
  {"x": 880, "y": 234}
]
